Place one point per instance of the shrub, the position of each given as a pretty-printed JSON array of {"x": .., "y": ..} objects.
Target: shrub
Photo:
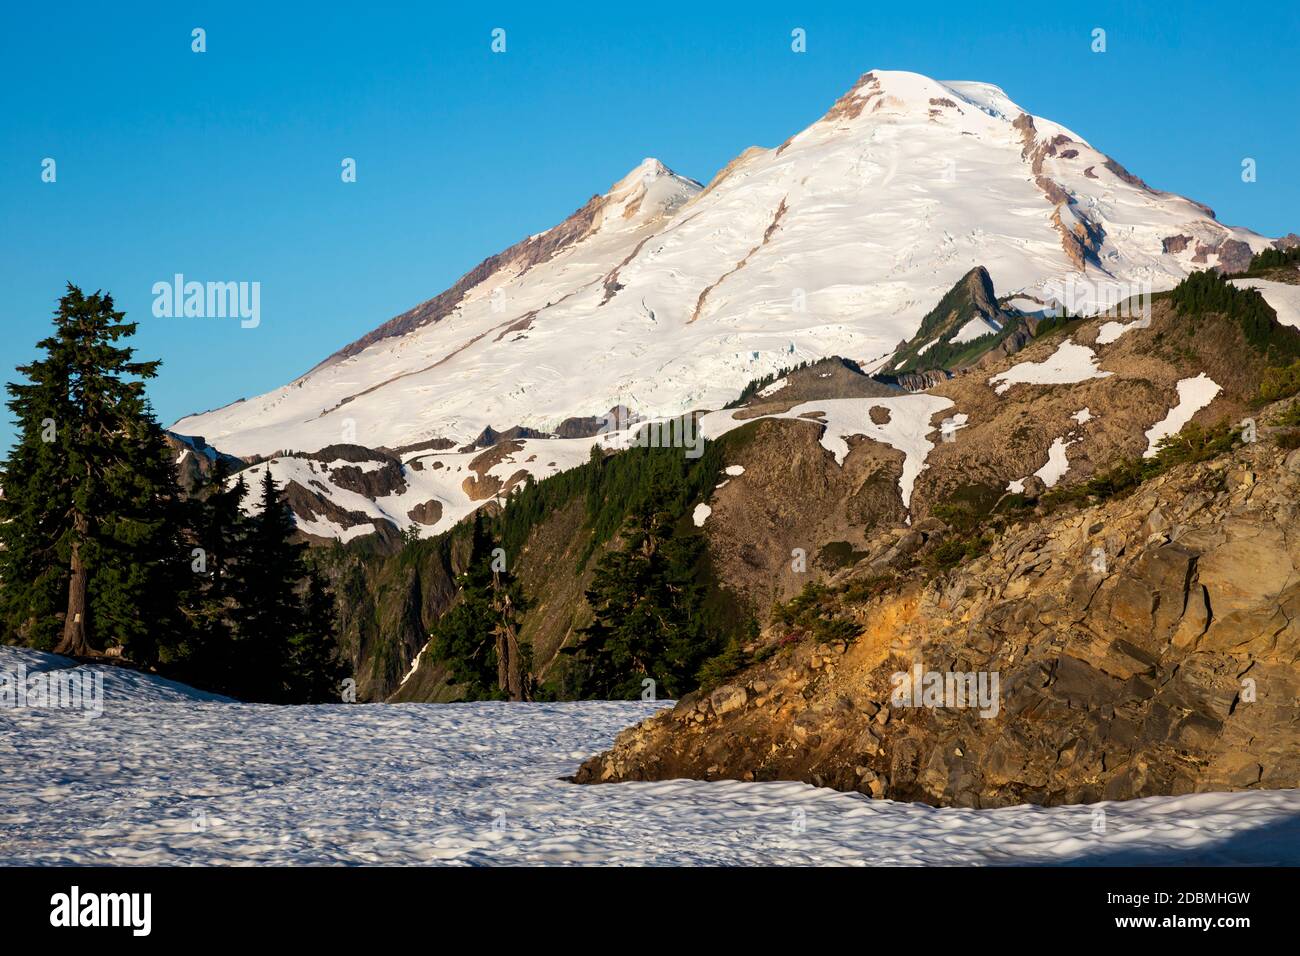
[{"x": 1280, "y": 382}]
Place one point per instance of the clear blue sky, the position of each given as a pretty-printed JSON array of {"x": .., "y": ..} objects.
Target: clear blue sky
[{"x": 225, "y": 165}]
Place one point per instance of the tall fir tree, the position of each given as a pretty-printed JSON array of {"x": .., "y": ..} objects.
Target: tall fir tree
[
  {"x": 282, "y": 612},
  {"x": 89, "y": 508}
]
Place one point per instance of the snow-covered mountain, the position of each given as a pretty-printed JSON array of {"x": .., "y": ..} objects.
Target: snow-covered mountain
[{"x": 665, "y": 296}]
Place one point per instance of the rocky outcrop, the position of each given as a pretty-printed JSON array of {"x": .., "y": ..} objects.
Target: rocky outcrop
[
  {"x": 195, "y": 459},
  {"x": 373, "y": 474},
  {"x": 427, "y": 512},
  {"x": 1143, "y": 646},
  {"x": 920, "y": 381},
  {"x": 490, "y": 436},
  {"x": 928, "y": 357}
]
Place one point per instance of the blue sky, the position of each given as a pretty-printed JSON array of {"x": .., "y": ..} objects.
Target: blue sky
[{"x": 225, "y": 165}]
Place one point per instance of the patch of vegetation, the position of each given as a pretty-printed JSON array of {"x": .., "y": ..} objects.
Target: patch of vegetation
[
  {"x": 1057, "y": 323},
  {"x": 949, "y": 554},
  {"x": 613, "y": 487},
  {"x": 1290, "y": 417},
  {"x": 1273, "y": 259},
  {"x": 816, "y": 612},
  {"x": 1205, "y": 293},
  {"x": 1280, "y": 382},
  {"x": 648, "y": 597},
  {"x": 839, "y": 554}
]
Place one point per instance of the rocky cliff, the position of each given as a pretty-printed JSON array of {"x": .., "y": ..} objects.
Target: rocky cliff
[{"x": 1139, "y": 646}]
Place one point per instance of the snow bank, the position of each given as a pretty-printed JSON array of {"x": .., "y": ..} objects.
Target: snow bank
[
  {"x": 1069, "y": 364},
  {"x": 1057, "y": 464},
  {"x": 1193, "y": 395},
  {"x": 121, "y": 684},
  {"x": 976, "y": 328},
  {"x": 1110, "y": 331}
]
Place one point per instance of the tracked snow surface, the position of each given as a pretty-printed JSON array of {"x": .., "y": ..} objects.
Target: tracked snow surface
[{"x": 168, "y": 776}]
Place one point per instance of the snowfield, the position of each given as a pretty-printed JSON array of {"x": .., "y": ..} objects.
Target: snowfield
[
  {"x": 169, "y": 775},
  {"x": 907, "y": 429}
]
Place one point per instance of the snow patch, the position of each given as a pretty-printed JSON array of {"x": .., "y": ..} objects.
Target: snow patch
[
  {"x": 1057, "y": 463},
  {"x": 1069, "y": 364},
  {"x": 735, "y": 471},
  {"x": 976, "y": 328},
  {"x": 907, "y": 430},
  {"x": 701, "y": 514},
  {"x": 1193, "y": 395},
  {"x": 1282, "y": 297},
  {"x": 1110, "y": 331}
]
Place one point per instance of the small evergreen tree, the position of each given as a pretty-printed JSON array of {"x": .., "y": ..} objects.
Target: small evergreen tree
[
  {"x": 267, "y": 612},
  {"x": 316, "y": 670},
  {"x": 217, "y": 526}
]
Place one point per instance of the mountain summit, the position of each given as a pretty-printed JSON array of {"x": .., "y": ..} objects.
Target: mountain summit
[{"x": 663, "y": 296}]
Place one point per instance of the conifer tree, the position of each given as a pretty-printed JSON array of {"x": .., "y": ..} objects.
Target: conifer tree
[
  {"x": 217, "y": 526},
  {"x": 316, "y": 668},
  {"x": 89, "y": 505},
  {"x": 478, "y": 637},
  {"x": 650, "y": 620},
  {"x": 267, "y": 612}
]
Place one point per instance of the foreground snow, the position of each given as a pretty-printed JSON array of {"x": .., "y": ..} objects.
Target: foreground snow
[{"x": 159, "y": 778}]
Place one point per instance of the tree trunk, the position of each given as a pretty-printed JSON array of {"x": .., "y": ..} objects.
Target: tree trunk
[
  {"x": 73, "y": 641},
  {"x": 514, "y": 678},
  {"x": 503, "y": 655}
]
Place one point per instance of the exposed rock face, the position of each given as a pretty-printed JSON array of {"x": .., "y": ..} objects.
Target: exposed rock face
[
  {"x": 427, "y": 512},
  {"x": 195, "y": 459},
  {"x": 309, "y": 504},
  {"x": 929, "y": 351},
  {"x": 920, "y": 381},
  {"x": 1144, "y": 646},
  {"x": 371, "y": 473},
  {"x": 592, "y": 425},
  {"x": 490, "y": 436},
  {"x": 1234, "y": 256}
]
